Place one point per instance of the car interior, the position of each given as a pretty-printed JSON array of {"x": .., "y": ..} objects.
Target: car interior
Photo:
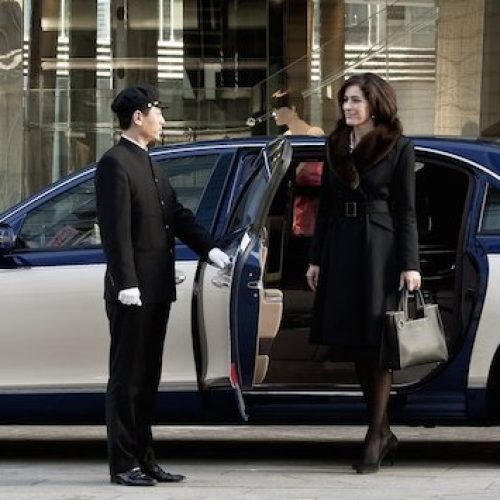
[
  {"x": 285, "y": 357},
  {"x": 66, "y": 220}
]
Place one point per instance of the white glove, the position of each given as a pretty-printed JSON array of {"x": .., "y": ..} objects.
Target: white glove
[
  {"x": 130, "y": 297},
  {"x": 218, "y": 258}
]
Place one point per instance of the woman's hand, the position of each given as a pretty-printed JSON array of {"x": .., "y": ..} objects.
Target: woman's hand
[
  {"x": 410, "y": 279},
  {"x": 312, "y": 276}
]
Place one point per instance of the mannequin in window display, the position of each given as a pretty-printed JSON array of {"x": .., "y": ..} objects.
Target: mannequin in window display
[
  {"x": 288, "y": 110},
  {"x": 139, "y": 217}
]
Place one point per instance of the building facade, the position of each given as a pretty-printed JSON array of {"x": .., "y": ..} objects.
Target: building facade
[{"x": 217, "y": 63}]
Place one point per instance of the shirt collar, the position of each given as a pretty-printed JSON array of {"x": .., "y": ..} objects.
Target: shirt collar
[{"x": 124, "y": 136}]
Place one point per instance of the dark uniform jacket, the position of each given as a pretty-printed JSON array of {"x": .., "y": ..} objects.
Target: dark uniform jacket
[
  {"x": 365, "y": 235},
  {"x": 139, "y": 217}
]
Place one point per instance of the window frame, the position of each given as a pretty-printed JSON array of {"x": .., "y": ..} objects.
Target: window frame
[
  {"x": 480, "y": 228},
  {"x": 45, "y": 200},
  {"x": 208, "y": 211},
  {"x": 165, "y": 158}
]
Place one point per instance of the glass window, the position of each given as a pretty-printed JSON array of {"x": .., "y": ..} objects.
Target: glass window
[
  {"x": 357, "y": 24},
  {"x": 189, "y": 175},
  {"x": 70, "y": 220},
  {"x": 439, "y": 218},
  {"x": 249, "y": 204},
  {"x": 491, "y": 215},
  {"x": 65, "y": 221}
]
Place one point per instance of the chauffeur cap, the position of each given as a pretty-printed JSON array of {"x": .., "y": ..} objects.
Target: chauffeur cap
[{"x": 136, "y": 97}]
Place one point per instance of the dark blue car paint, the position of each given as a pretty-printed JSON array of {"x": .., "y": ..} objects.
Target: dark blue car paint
[
  {"x": 440, "y": 398},
  {"x": 245, "y": 305}
]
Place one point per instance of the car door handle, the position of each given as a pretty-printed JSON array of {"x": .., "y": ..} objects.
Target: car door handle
[
  {"x": 179, "y": 277},
  {"x": 221, "y": 279}
]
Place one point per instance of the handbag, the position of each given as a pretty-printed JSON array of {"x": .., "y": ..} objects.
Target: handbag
[{"x": 414, "y": 341}]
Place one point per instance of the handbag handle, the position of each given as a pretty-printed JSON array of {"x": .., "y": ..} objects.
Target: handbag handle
[{"x": 404, "y": 297}]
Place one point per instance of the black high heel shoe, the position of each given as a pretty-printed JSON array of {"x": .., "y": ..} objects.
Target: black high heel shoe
[{"x": 389, "y": 450}]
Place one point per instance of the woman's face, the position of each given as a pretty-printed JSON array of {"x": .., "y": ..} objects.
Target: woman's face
[
  {"x": 355, "y": 107},
  {"x": 283, "y": 116}
]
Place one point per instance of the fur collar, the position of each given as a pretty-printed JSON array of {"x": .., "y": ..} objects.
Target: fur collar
[{"x": 372, "y": 148}]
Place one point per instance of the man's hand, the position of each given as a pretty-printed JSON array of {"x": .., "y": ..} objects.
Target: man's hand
[
  {"x": 130, "y": 297},
  {"x": 218, "y": 258}
]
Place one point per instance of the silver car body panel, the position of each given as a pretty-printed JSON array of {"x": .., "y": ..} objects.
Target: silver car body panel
[
  {"x": 487, "y": 338},
  {"x": 63, "y": 342}
]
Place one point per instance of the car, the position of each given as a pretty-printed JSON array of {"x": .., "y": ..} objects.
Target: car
[{"x": 237, "y": 345}]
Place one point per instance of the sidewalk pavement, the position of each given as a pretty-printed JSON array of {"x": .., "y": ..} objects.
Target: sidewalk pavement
[{"x": 260, "y": 462}]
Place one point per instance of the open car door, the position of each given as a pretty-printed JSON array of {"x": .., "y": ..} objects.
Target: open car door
[{"x": 230, "y": 303}]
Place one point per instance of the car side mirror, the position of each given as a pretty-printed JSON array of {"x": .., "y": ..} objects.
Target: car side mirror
[{"x": 7, "y": 239}]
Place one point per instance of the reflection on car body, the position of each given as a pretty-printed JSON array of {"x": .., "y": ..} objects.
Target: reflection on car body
[{"x": 237, "y": 343}]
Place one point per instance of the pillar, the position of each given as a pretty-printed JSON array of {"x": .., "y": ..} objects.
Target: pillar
[
  {"x": 11, "y": 102},
  {"x": 467, "y": 71}
]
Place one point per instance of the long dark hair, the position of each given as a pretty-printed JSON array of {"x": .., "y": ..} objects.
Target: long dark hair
[{"x": 381, "y": 98}]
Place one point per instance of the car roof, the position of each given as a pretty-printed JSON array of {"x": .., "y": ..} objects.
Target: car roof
[
  {"x": 481, "y": 153},
  {"x": 443, "y": 142},
  {"x": 473, "y": 149},
  {"x": 478, "y": 152}
]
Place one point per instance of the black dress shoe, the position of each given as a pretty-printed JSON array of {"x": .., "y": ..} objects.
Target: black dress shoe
[
  {"x": 133, "y": 477},
  {"x": 161, "y": 475}
]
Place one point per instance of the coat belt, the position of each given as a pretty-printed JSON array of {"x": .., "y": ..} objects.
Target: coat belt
[{"x": 353, "y": 209}]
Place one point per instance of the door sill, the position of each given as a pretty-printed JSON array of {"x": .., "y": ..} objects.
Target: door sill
[{"x": 304, "y": 390}]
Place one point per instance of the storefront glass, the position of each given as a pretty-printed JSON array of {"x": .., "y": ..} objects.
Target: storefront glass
[
  {"x": 204, "y": 56},
  {"x": 11, "y": 102},
  {"x": 217, "y": 63}
]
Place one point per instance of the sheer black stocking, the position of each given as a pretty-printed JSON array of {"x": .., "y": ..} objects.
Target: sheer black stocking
[{"x": 376, "y": 385}]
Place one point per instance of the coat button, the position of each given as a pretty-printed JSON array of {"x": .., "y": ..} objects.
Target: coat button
[
  {"x": 156, "y": 180},
  {"x": 167, "y": 226},
  {"x": 162, "y": 203}
]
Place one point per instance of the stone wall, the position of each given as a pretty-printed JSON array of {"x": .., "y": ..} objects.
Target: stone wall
[{"x": 468, "y": 72}]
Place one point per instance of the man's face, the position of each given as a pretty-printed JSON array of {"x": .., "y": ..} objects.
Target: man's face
[{"x": 150, "y": 124}]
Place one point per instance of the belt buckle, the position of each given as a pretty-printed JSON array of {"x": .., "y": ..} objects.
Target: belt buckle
[{"x": 351, "y": 209}]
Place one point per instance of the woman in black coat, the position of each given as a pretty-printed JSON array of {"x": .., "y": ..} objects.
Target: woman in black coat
[{"x": 365, "y": 244}]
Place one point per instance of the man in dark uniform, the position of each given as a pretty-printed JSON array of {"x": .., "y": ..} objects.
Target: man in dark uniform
[{"x": 139, "y": 218}]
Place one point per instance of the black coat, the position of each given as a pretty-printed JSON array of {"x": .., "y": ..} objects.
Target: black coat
[
  {"x": 361, "y": 257},
  {"x": 139, "y": 217}
]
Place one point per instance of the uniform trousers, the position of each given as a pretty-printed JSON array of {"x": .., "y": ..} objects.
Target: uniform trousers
[{"x": 137, "y": 338}]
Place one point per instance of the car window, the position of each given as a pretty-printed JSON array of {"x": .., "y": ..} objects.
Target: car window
[
  {"x": 246, "y": 167},
  {"x": 439, "y": 218},
  {"x": 67, "y": 220},
  {"x": 491, "y": 214},
  {"x": 248, "y": 203},
  {"x": 189, "y": 175}
]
